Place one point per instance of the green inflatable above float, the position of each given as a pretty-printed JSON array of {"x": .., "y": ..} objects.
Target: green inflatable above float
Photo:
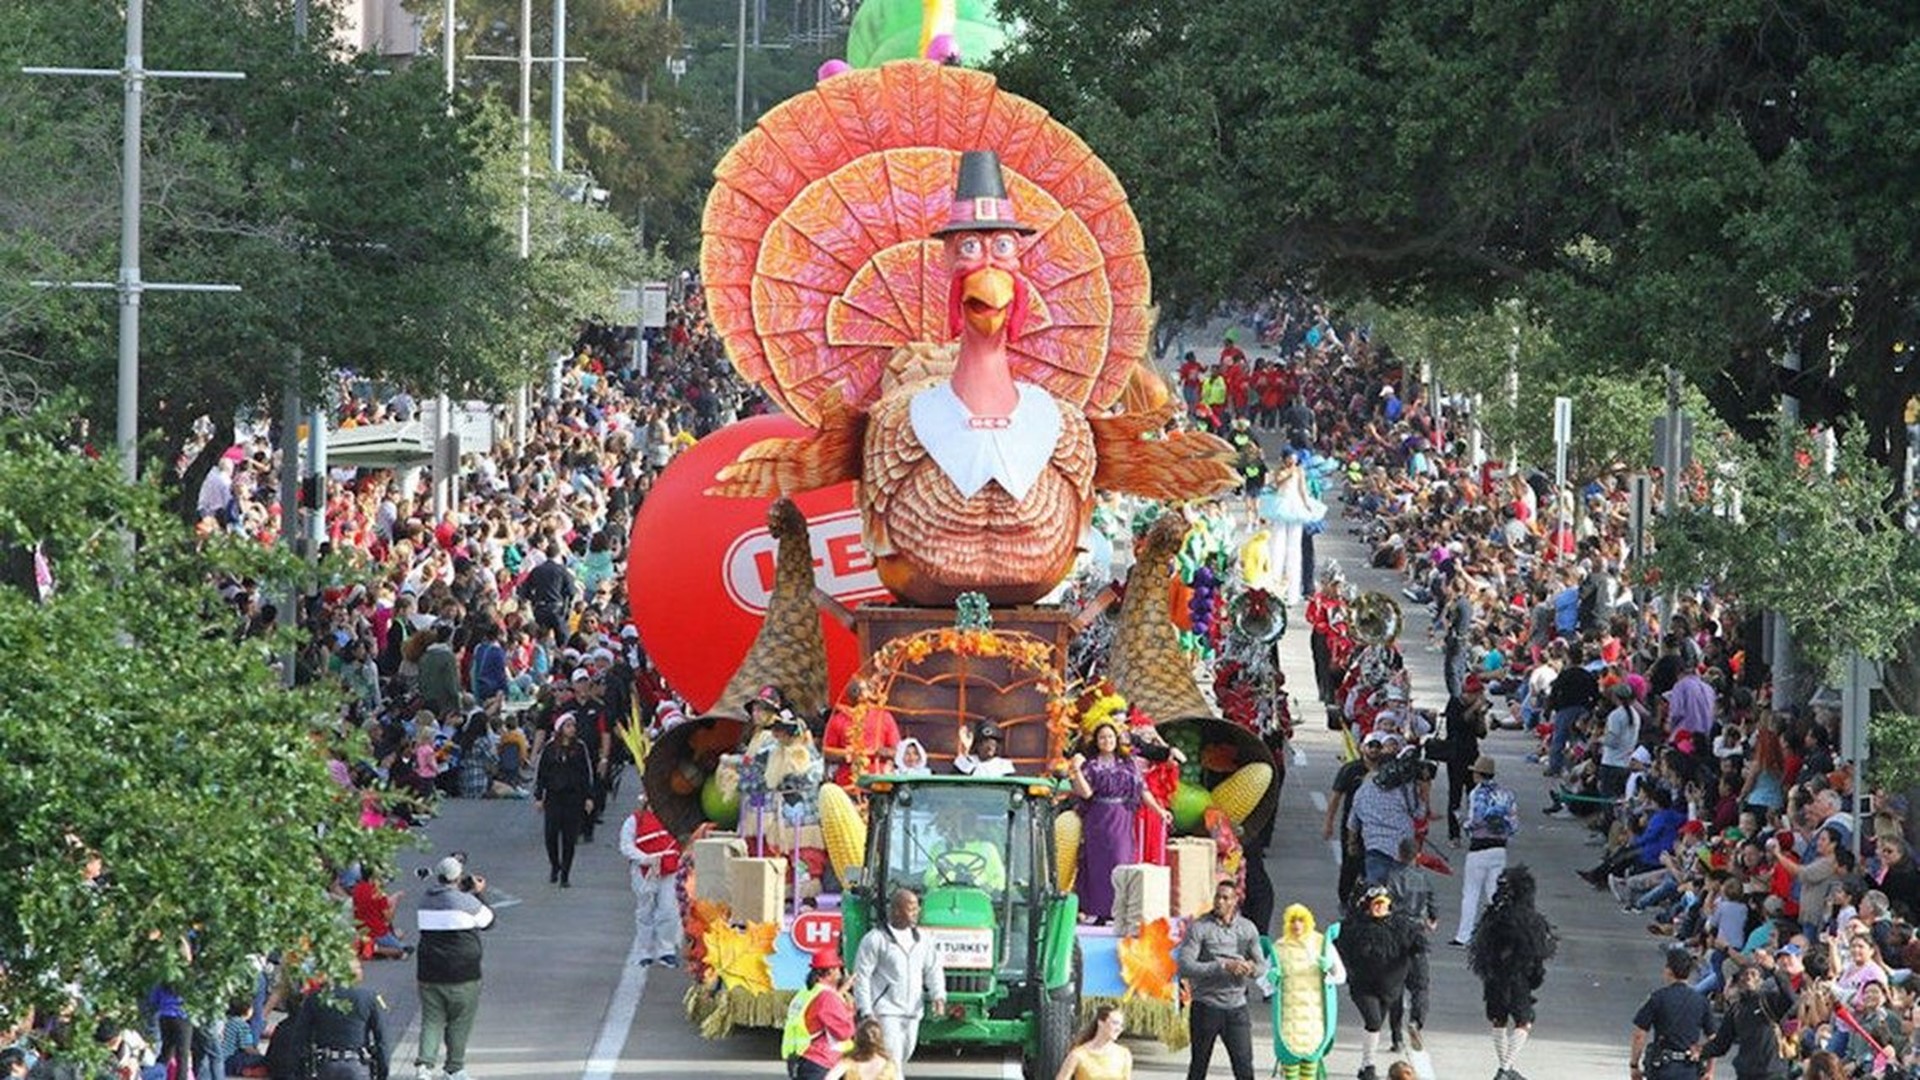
[{"x": 883, "y": 30}]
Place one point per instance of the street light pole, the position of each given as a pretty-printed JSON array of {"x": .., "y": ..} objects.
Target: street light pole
[
  {"x": 128, "y": 285},
  {"x": 446, "y": 47},
  {"x": 740, "y": 75},
  {"x": 558, "y": 136}
]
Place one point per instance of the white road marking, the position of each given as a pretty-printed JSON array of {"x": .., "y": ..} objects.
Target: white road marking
[
  {"x": 407, "y": 1048},
  {"x": 619, "y": 1021},
  {"x": 1011, "y": 1068},
  {"x": 1320, "y": 804}
]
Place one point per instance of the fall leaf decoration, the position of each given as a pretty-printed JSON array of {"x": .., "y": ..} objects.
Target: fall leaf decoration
[
  {"x": 1146, "y": 962},
  {"x": 738, "y": 958}
]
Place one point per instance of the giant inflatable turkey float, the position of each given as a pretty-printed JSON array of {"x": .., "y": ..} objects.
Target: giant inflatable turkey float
[{"x": 946, "y": 292}]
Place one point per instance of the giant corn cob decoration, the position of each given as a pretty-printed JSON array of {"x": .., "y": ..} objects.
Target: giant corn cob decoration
[
  {"x": 1066, "y": 848},
  {"x": 844, "y": 829},
  {"x": 1237, "y": 795}
]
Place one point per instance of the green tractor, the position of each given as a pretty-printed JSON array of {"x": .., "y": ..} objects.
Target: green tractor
[{"x": 980, "y": 853}]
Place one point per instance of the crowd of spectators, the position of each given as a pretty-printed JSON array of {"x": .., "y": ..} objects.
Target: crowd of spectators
[{"x": 1726, "y": 822}]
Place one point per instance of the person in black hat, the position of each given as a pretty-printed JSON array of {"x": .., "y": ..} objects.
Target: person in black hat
[{"x": 988, "y": 762}]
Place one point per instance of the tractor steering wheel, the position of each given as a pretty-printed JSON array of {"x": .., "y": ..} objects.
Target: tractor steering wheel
[{"x": 960, "y": 867}]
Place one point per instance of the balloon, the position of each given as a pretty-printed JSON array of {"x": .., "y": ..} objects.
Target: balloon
[
  {"x": 1190, "y": 803},
  {"x": 886, "y": 30},
  {"x": 699, "y": 567},
  {"x": 721, "y": 808}
]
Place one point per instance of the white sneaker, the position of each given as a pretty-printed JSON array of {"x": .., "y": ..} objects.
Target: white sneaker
[
  {"x": 461, "y": 1075},
  {"x": 423, "y": 1072}
]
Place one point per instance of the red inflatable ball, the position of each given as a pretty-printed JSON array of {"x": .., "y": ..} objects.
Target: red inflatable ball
[{"x": 700, "y": 568}]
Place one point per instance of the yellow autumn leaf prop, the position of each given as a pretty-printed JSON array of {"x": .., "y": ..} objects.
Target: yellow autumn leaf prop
[
  {"x": 633, "y": 734},
  {"x": 738, "y": 958},
  {"x": 1146, "y": 962}
]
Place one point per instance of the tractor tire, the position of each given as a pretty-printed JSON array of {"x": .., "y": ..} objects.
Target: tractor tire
[{"x": 1058, "y": 1019}]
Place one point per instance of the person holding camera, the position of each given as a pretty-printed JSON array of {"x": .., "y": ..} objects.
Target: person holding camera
[
  {"x": 1387, "y": 807},
  {"x": 452, "y": 913},
  {"x": 1672, "y": 1028}
]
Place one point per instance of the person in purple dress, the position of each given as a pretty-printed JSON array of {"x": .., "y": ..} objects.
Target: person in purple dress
[{"x": 1110, "y": 787}]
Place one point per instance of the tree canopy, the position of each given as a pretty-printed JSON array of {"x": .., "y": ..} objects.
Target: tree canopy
[
  {"x": 142, "y": 732},
  {"x": 649, "y": 137},
  {"x": 369, "y": 224},
  {"x": 1708, "y": 183}
]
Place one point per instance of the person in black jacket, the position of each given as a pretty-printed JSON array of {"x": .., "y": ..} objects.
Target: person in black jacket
[
  {"x": 1899, "y": 880},
  {"x": 563, "y": 791},
  {"x": 452, "y": 913},
  {"x": 344, "y": 1027},
  {"x": 1466, "y": 724},
  {"x": 549, "y": 589},
  {"x": 1761, "y": 998},
  {"x": 1574, "y": 692}
]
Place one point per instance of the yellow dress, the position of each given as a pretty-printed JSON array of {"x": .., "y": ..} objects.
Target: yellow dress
[{"x": 1111, "y": 1062}]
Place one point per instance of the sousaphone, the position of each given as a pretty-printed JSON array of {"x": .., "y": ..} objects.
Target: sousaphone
[{"x": 1376, "y": 618}]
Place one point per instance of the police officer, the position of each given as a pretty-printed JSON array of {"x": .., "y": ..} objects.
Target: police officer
[
  {"x": 346, "y": 1032},
  {"x": 1672, "y": 1027}
]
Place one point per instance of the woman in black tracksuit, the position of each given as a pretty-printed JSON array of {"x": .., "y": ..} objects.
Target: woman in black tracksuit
[
  {"x": 563, "y": 789},
  {"x": 1754, "y": 1010}
]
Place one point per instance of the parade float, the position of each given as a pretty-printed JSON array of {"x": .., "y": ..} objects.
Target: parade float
[{"x": 946, "y": 293}]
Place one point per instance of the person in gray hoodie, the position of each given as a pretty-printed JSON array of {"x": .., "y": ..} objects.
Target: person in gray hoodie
[{"x": 896, "y": 971}]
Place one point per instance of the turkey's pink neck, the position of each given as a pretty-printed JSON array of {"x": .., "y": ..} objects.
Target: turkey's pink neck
[{"x": 981, "y": 378}]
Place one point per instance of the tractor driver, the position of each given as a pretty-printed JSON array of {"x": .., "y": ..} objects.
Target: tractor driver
[{"x": 962, "y": 854}]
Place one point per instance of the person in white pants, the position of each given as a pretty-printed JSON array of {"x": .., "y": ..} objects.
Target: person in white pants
[
  {"x": 1492, "y": 820},
  {"x": 653, "y": 860}
]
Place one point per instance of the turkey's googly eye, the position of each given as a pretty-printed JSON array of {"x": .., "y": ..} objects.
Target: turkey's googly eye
[
  {"x": 1002, "y": 246},
  {"x": 970, "y": 247}
]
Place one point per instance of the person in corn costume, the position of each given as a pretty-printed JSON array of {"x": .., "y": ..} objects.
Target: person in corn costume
[{"x": 1306, "y": 968}]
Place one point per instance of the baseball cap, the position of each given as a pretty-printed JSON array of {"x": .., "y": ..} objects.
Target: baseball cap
[
  {"x": 581, "y": 675},
  {"x": 1484, "y": 765},
  {"x": 826, "y": 960},
  {"x": 1791, "y": 948},
  {"x": 450, "y": 868}
]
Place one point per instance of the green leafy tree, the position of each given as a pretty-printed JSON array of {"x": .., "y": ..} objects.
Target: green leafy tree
[
  {"x": 161, "y": 787},
  {"x": 1707, "y": 183},
  {"x": 1516, "y": 368},
  {"x": 650, "y": 138},
  {"x": 367, "y": 223},
  {"x": 1818, "y": 547}
]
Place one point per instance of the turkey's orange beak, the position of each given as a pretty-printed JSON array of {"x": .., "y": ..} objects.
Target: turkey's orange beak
[{"x": 986, "y": 295}]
